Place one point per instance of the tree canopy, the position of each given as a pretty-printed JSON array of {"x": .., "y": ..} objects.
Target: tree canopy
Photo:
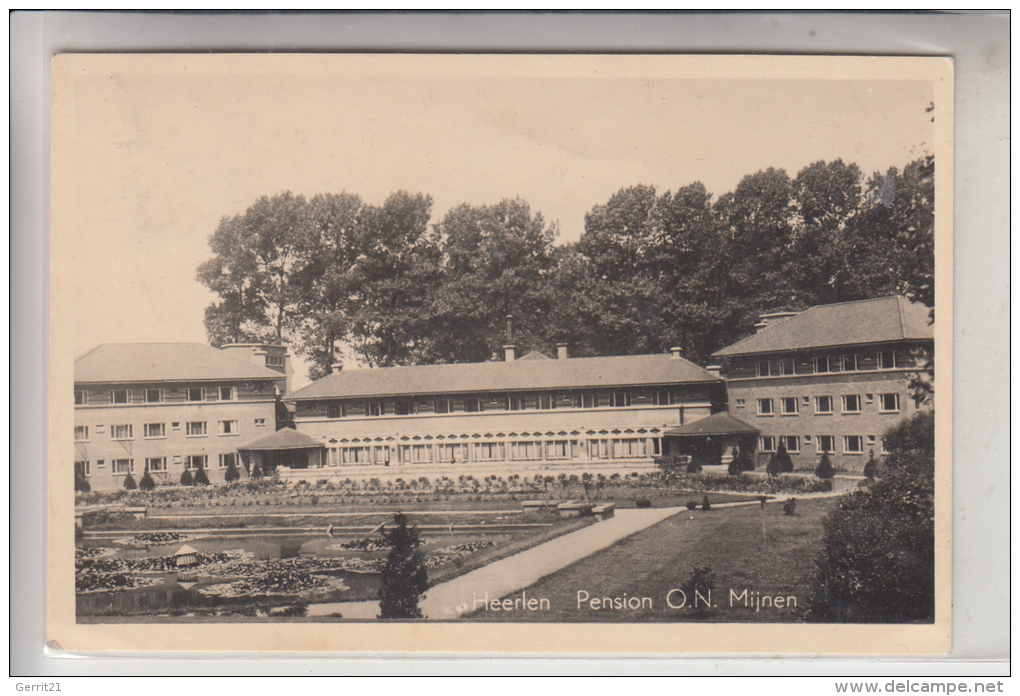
[{"x": 651, "y": 270}]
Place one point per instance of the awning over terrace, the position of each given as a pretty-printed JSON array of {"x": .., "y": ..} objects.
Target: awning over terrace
[
  {"x": 285, "y": 439},
  {"x": 718, "y": 424}
]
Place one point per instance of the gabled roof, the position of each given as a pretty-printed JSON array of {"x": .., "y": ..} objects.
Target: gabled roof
[
  {"x": 518, "y": 375},
  {"x": 284, "y": 439},
  {"x": 883, "y": 320},
  {"x": 718, "y": 424},
  {"x": 112, "y": 363}
]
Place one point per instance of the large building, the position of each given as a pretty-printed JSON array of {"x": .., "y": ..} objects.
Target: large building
[
  {"x": 167, "y": 407},
  {"x": 529, "y": 415},
  {"x": 830, "y": 379}
]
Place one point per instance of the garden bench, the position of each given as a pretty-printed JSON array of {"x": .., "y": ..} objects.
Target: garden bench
[
  {"x": 533, "y": 505},
  {"x": 574, "y": 509},
  {"x": 604, "y": 512}
]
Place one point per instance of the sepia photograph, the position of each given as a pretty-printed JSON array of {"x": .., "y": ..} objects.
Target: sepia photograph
[{"x": 590, "y": 352}]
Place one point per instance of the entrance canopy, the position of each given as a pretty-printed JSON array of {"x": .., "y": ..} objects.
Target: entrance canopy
[
  {"x": 285, "y": 439},
  {"x": 719, "y": 424}
]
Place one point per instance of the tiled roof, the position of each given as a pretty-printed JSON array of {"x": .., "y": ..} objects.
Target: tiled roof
[
  {"x": 845, "y": 324},
  {"x": 283, "y": 439},
  {"x": 718, "y": 424},
  {"x": 519, "y": 375},
  {"x": 164, "y": 362}
]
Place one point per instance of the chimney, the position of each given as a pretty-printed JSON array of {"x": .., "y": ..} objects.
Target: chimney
[
  {"x": 675, "y": 353},
  {"x": 767, "y": 320},
  {"x": 562, "y": 351},
  {"x": 509, "y": 349},
  {"x": 715, "y": 370},
  {"x": 336, "y": 367}
]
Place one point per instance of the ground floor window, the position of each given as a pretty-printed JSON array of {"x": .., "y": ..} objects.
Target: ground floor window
[
  {"x": 196, "y": 461},
  {"x": 417, "y": 454},
  {"x": 155, "y": 464},
  {"x": 227, "y": 459},
  {"x": 453, "y": 452},
  {"x": 853, "y": 444},
  {"x": 630, "y": 447},
  {"x": 558, "y": 449},
  {"x": 826, "y": 444},
  {"x": 489, "y": 451},
  {"x": 792, "y": 443},
  {"x": 767, "y": 443},
  {"x": 82, "y": 468},
  {"x": 355, "y": 456},
  {"x": 525, "y": 451},
  {"x": 123, "y": 466}
]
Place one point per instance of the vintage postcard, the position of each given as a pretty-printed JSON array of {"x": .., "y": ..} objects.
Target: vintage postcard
[{"x": 536, "y": 354}]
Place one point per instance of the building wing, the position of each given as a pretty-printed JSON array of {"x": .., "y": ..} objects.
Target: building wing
[{"x": 117, "y": 363}]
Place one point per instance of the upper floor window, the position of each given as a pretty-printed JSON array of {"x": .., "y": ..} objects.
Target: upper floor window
[
  {"x": 765, "y": 407},
  {"x": 81, "y": 433},
  {"x": 547, "y": 401},
  {"x": 260, "y": 422},
  {"x": 584, "y": 401},
  {"x": 889, "y": 403},
  {"x": 823, "y": 404},
  {"x": 228, "y": 427},
  {"x": 848, "y": 363},
  {"x": 81, "y": 398},
  {"x": 775, "y": 368},
  {"x": 405, "y": 408},
  {"x": 335, "y": 409},
  {"x": 195, "y": 429},
  {"x": 887, "y": 359},
  {"x": 851, "y": 403},
  {"x": 473, "y": 405},
  {"x": 373, "y": 408},
  {"x": 619, "y": 399},
  {"x": 153, "y": 396},
  {"x": 442, "y": 405},
  {"x": 274, "y": 361},
  {"x": 515, "y": 403},
  {"x": 122, "y": 432},
  {"x": 151, "y": 430},
  {"x": 120, "y": 396},
  {"x": 822, "y": 364},
  {"x": 740, "y": 403},
  {"x": 194, "y": 394},
  {"x": 664, "y": 398},
  {"x": 226, "y": 393},
  {"x": 788, "y": 404}
]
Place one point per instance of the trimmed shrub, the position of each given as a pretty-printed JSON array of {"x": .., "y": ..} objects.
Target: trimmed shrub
[
  {"x": 785, "y": 462},
  {"x": 790, "y": 507},
  {"x": 256, "y": 473},
  {"x": 187, "y": 479},
  {"x": 694, "y": 467},
  {"x": 774, "y": 468},
  {"x": 643, "y": 503},
  {"x": 825, "y": 470},
  {"x": 691, "y": 504},
  {"x": 129, "y": 483},
  {"x": 705, "y": 505},
  {"x": 231, "y": 474},
  {"x": 742, "y": 461},
  {"x": 871, "y": 467},
  {"x": 147, "y": 484},
  {"x": 81, "y": 484}
]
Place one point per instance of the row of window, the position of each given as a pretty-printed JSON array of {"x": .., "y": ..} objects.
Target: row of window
[
  {"x": 824, "y": 444},
  {"x": 156, "y": 465},
  {"x": 158, "y": 396},
  {"x": 522, "y": 450},
  {"x": 851, "y": 403},
  {"x": 155, "y": 431},
  {"x": 827, "y": 364},
  {"x": 542, "y": 402}
]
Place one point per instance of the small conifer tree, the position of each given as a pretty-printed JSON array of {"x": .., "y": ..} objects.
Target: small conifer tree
[
  {"x": 186, "y": 479},
  {"x": 129, "y": 483},
  {"x": 404, "y": 578},
  {"x": 773, "y": 468},
  {"x": 231, "y": 474},
  {"x": 785, "y": 462},
  {"x": 705, "y": 505},
  {"x": 871, "y": 467},
  {"x": 200, "y": 478},
  {"x": 147, "y": 484},
  {"x": 825, "y": 470},
  {"x": 256, "y": 473},
  {"x": 698, "y": 589},
  {"x": 81, "y": 484}
]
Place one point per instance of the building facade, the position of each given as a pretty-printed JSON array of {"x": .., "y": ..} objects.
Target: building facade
[
  {"x": 168, "y": 407},
  {"x": 830, "y": 379},
  {"x": 526, "y": 416}
]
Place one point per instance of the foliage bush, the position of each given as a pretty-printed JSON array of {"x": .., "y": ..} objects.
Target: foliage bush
[
  {"x": 81, "y": 484},
  {"x": 694, "y": 467},
  {"x": 877, "y": 563},
  {"x": 698, "y": 589},
  {"x": 147, "y": 484},
  {"x": 643, "y": 503},
  {"x": 790, "y": 507},
  {"x": 871, "y": 467},
  {"x": 741, "y": 462},
  {"x": 825, "y": 470},
  {"x": 692, "y": 504},
  {"x": 129, "y": 483}
]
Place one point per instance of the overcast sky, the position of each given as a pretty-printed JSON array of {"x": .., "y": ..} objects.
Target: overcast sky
[{"x": 162, "y": 148}]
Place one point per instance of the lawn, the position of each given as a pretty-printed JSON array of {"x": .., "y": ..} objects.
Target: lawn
[{"x": 768, "y": 554}]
